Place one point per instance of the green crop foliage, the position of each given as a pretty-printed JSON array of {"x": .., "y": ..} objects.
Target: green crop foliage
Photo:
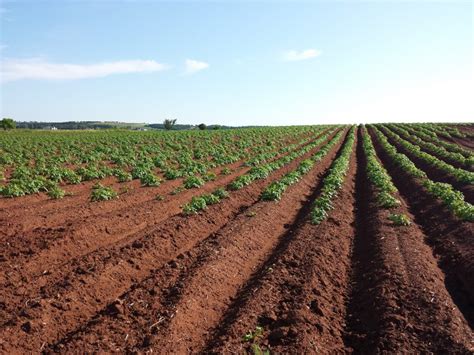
[
  {"x": 460, "y": 175},
  {"x": 211, "y": 199},
  {"x": 210, "y": 176},
  {"x": 193, "y": 182},
  {"x": 399, "y": 219},
  {"x": 226, "y": 171},
  {"x": 56, "y": 192},
  {"x": 122, "y": 175},
  {"x": 172, "y": 174},
  {"x": 451, "y": 198},
  {"x": 334, "y": 180},
  {"x": 197, "y": 204},
  {"x": 385, "y": 200},
  {"x": 240, "y": 182},
  {"x": 221, "y": 193},
  {"x": 102, "y": 193},
  {"x": 378, "y": 176},
  {"x": 150, "y": 179}
]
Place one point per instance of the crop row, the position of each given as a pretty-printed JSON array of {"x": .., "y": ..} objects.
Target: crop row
[
  {"x": 275, "y": 190},
  {"x": 262, "y": 171},
  {"x": 381, "y": 181},
  {"x": 443, "y": 130},
  {"x": 431, "y": 137},
  {"x": 199, "y": 203},
  {"x": 432, "y": 148},
  {"x": 333, "y": 181},
  {"x": 460, "y": 175},
  {"x": 134, "y": 156},
  {"x": 451, "y": 198}
]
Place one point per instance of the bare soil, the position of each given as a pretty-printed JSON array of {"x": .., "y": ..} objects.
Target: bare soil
[{"x": 135, "y": 275}]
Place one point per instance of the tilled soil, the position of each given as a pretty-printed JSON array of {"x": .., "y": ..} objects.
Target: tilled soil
[
  {"x": 437, "y": 174},
  {"x": 242, "y": 276}
]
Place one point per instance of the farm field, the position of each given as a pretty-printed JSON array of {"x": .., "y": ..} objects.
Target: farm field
[{"x": 311, "y": 239}]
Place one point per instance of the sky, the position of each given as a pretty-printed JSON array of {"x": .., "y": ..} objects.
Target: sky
[{"x": 237, "y": 62}]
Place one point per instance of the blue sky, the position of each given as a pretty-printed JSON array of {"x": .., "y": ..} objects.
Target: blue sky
[{"x": 237, "y": 63}]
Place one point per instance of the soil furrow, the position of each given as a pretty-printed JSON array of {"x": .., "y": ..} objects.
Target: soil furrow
[
  {"x": 73, "y": 294},
  {"x": 450, "y": 238},
  {"x": 43, "y": 245},
  {"x": 398, "y": 302},
  {"x": 49, "y": 246},
  {"x": 187, "y": 301},
  {"x": 463, "y": 142},
  {"x": 295, "y": 303},
  {"x": 435, "y": 174},
  {"x": 54, "y": 213},
  {"x": 47, "y": 213},
  {"x": 447, "y": 160}
]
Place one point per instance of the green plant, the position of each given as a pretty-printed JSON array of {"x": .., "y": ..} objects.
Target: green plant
[
  {"x": 168, "y": 124},
  {"x": 221, "y": 193},
  {"x": 253, "y": 335},
  {"x": 452, "y": 198},
  {"x": 193, "y": 182},
  {"x": 150, "y": 180},
  {"x": 56, "y": 192},
  {"x": 257, "y": 350},
  {"x": 177, "y": 190},
  {"x": 122, "y": 175},
  {"x": 226, "y": 171},
  {"x": 332, "y": 183},
  {"x": 399, "y": 219},
  {"x": 240, "y": 182},
  {"x": 172, "y": 174},
  {"x": 385, "y": 200},
  {"x": 210, "y": 199},
  {"x": 197, "y": 204},
  {"x": 7, "y": 123},
  {"x": 273, "y": 192},
  {"x": 209, "y": 176},
  {"x": 102, "y": 193}
]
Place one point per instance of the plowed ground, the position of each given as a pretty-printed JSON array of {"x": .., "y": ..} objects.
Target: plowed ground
[{"x": 245, "y": 275}]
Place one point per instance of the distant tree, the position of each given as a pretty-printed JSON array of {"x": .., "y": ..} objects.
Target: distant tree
[
  {"x": 202, "y": 126},
  {"x": 216, "y": 126},
  {"x": 169, "y": 123},
  {"x": 7, "y": 123}
]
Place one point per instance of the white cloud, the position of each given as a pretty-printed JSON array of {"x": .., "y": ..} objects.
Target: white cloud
[
  {"x": 193, "y": 66},
  {"x": 293, "y": 56},
  {"x": 18, "y": 69}
]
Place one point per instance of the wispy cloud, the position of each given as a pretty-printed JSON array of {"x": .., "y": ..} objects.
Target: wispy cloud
[
  {"x": 39, "y": 69},
  {"x": 193, "y": 66},
  {"x": 293, "y": 56}
]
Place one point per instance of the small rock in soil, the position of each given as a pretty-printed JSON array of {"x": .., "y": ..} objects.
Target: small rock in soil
[
  {"x": 137, "y": 244},
  {"x": 26, "y": 327}
]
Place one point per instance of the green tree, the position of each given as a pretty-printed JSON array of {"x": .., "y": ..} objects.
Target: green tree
[
  {"x": 169, "y": 123},
  {"x": 202, "y": 126},
  {"x": 7, "y": 123}
]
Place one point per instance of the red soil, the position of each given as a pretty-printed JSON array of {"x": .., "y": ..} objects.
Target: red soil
[
  {"x": 437, "y": 174},
  {"x": 157, "y": 280}
]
